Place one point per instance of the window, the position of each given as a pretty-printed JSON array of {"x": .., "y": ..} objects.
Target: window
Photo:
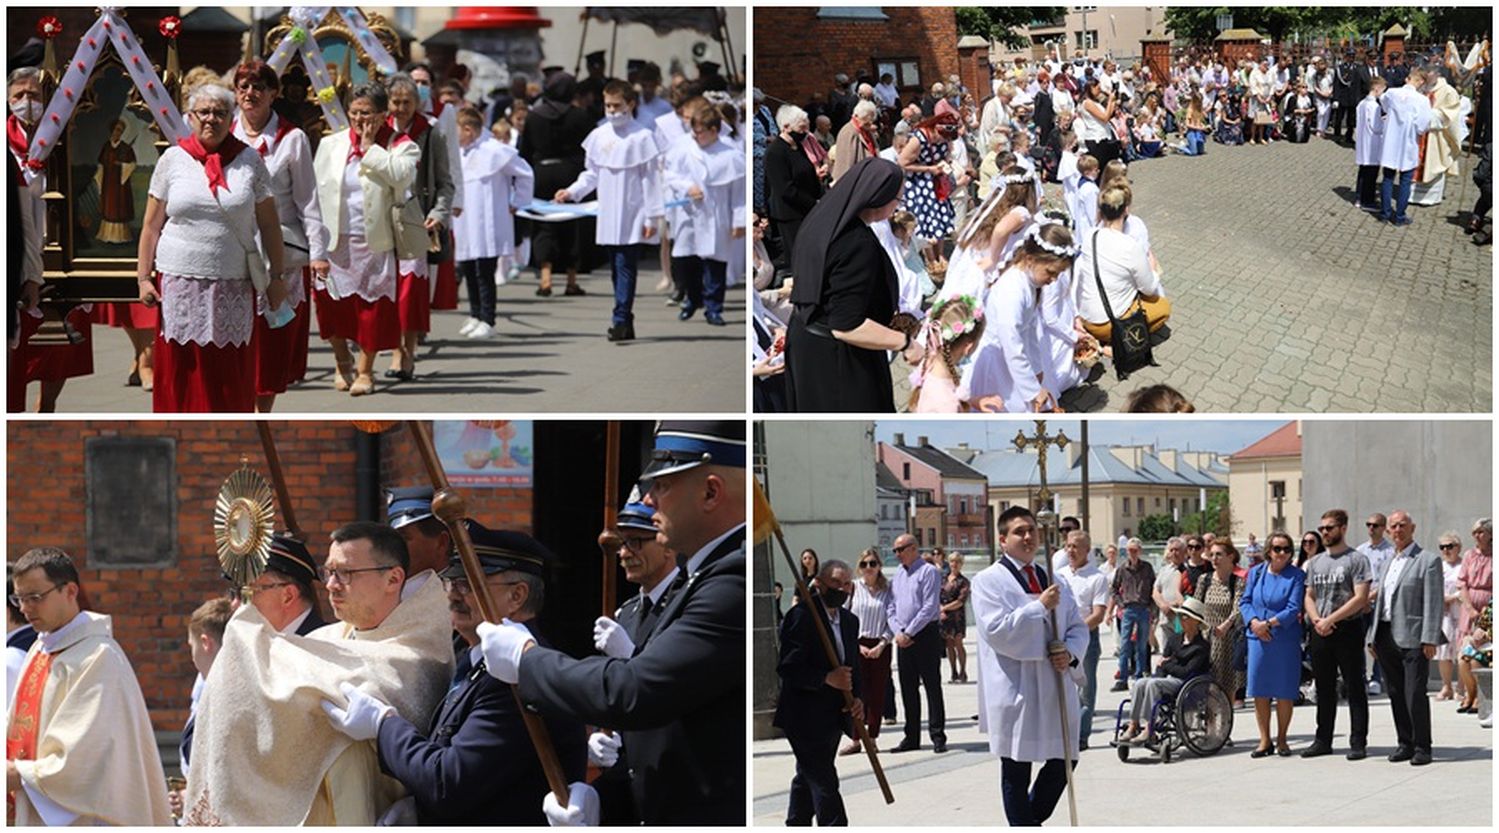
[
  {"x": 1140, "y": 506},
  {"x": 1003, "y": 505},
  {"x": 905, "y": 471},
  {"x": 1126, "y": 507},
  {"x": 1086, "y": 40},
  {"x": 962, "y": 506},
  {"x": 1158, "y": 503},
  {"x": 1277, "y": 489},
  {"x": 906, "y": 71},
  {"x": 952, "y": 540},
  {"x": 864, "y": 13},
  {"x": 131, "y": 500},
  {"x": 1173, "y": 507}
]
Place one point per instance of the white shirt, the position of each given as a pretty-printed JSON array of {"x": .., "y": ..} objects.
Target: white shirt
[
  {"x": 621, "y": 164},
  {"x": 1407, "y": 115},
  {"x": 1391, "y": 578},
  {"x": 201, "y": 239},
  {"x": 1009, "y": 355},
  {"x": 294, "y": 188},
  {"x": 495, "y": 180},
  {"x": 704, "y": 227},
  {"x": 1089, "y": 586},
  {"x": 291, "y": 628},
  {"x": 1377, "y": 554},
  {"x": 1124, "y": 269},
  {"x": 886, "y": 94},
  {"x": 1368, "y": 134}
]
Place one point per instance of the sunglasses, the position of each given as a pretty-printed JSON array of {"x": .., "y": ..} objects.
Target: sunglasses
[
  {"x": 1328, "y": 528},
  {"x": 1282, "y": 548},
  {"x": 1374, "y": 526},
  {"x": 1447, "y": 546},
  {"x": 869, "y": 563}
]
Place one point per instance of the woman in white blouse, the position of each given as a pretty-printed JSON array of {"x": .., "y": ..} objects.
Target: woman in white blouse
[
  {"x": 1124, "y": 268},
  {"x": 209, "y": 195},
  {"x": 871, "y": 593},
  {"x": 281, "y": 334}
]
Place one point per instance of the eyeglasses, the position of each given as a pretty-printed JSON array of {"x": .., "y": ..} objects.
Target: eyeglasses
[
  {"x": 1374, "y": 526},
  {"x": 1327, "y": 528},
  {"x": 32, "y": 598},
  {"x": 344, "y": 576},
  {"x": 634, "y": 544},
  {"x": 869, "y": 563},
  {"x": 1194, "y": 546},
  {"x": 256, "y": 588},
  {"x": 252, "y": 86},
  {"x": 463, "y": 587},
  {"x": 1282, "y": 548},
  {"x": 211, "y": 114},
  {"x": 1447, "y": 546}
]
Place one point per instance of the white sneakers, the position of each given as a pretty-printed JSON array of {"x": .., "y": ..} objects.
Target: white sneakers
[
  {"x": 481, "y": 332},
  {"x": 468, "y": 326}
]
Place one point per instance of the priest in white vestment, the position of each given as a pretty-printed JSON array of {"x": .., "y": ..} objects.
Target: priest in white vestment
[
  {"x": 263, "y": 751},
  {"x": 1443, "y": 144},
  {"x": 1015, "y": 602},
  {"x": 79, "y": 747}
]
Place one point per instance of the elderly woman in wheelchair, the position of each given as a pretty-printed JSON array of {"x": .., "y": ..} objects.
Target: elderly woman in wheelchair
[{"x": 1155, "y": 701}]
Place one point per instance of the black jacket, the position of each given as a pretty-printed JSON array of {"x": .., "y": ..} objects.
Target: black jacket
[
  {"x": 1185, "y": 660},
  {"x": 791, "y": 183},
  {"x": 675, "y": 701},
  {"x": 807, "y": 703}
]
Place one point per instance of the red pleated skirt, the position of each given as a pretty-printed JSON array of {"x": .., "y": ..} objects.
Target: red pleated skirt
[
  {"x": 445, "y": 296},
  {"x": 277, "y": 350},
  {"x": 413, "y": 303},
  {"x": 128, "y": 314},
  {"x": 373, "y": 325},
  {"x": 199, "y": 379}
]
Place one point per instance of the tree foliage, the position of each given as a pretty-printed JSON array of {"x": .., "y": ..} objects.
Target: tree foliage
[
  {"x": 1156, "y": 527},
  {"x": 1200, "y": 23},
  {"x": 1000, "y": 24}
]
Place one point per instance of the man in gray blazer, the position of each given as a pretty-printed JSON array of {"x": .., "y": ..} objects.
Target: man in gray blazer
[{"x": 1404, "y": 634}]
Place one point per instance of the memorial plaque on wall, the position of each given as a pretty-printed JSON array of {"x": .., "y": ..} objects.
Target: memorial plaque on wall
[{"x": 132, "y": 501}]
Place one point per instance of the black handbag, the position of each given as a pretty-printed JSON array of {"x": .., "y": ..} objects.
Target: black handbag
[{"x": 1131, "y": 336}]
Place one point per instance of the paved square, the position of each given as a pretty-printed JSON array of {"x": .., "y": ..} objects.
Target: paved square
[
  {"x": 551, "y": 355},
  {"x": 1287, "y": 298}
]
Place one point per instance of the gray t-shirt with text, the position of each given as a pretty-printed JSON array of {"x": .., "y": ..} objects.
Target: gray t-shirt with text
[{"x": 1332, "y": 578}]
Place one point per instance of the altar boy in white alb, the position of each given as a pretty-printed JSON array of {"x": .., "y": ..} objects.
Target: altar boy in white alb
[
  {"x": 620, "y": 162},
  {"x": 708, "y": 172},
  {"x": 496, "y": 182},
  {"x": 1019, "y": 656}
]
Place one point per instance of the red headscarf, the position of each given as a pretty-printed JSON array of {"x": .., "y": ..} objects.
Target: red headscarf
[{"x": 215, "y": 162}]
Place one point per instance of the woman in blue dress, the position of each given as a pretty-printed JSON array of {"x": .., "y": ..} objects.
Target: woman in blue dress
[
  {"x": 1271, "y": 605},
  {"x": 928, "y": 179}
]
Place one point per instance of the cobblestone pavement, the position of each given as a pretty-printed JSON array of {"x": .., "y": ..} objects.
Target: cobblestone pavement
[
  {"x": 551, "y": 355},
  {"x": 1287, "y": 298}
]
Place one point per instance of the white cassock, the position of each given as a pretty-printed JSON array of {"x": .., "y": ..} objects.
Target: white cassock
[
  {"x": 1407, "y": 115},
  {"x": 1017, "y": 690},
  {"x": 1083, "y": 206},
  {"x": 1010, "y": 353},
  {"x": 666, "y": 129},
  {"x": 1058, "y": 336},
  {"x": 623, "y": 166},
  {"x": 1368, "y": 133},
  {"x": 495, "y": 179},
  {"x": 704, "y": 227}
]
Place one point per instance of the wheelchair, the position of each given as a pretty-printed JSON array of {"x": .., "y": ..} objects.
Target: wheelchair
[{"x": 1200, "y": 720}]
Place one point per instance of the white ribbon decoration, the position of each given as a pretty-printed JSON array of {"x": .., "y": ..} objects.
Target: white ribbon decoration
[
  {"x": 109, "y": 28},
  {"x": 372, "y": 45},
  {"x": 305, "y": 18}
]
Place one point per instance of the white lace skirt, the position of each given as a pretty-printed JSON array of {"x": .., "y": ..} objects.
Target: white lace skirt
[{"x": 219, "y": 313}]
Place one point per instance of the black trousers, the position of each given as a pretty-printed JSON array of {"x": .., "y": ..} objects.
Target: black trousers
[
  {"x": 786, "y": 230},
  {"x": 1405, "y": 672},
  {"x": 923, "y": 662},
  {"x": 1027, "y": 804},
  {"x": 1368, "y": 186},
  {"x": 1343, "y": 122},
  {"x": 478, "y": 278},
  {"x": 1340, "y": 653},
  {"x": 814, "y": 787}
]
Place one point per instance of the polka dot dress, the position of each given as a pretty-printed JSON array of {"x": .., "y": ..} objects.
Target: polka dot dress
[{"x": 934, "y": 217}]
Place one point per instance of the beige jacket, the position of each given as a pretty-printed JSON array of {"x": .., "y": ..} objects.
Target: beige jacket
[{"x": 385, "y": 175}]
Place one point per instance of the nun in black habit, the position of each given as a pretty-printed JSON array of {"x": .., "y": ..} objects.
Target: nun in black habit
[{"x": 845, "y": 295}]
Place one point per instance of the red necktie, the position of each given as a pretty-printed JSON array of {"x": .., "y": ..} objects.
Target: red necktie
[{"x": 1030, "y": 578}]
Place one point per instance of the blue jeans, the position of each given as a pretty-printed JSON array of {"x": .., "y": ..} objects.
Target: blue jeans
[
  {"x": 623, "y": 266},
  {"x": 1196, "y": 143},
  {"x": 1387, "y": 186},
  {"x": 1136, "y": 623},
  {"x": 1090, "y": 687},
  {"x": 703, "y": 280}
]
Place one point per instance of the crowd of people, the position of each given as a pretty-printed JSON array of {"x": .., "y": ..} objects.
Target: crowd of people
[
  {"x": 257, "y": 224},
  {"x": 409, "y": 707},
  {"x": 1274, "y": 625},
  {"x": 1001, "y": 292}
]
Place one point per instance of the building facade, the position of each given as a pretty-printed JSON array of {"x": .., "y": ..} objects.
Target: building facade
[
  {"x": 1264, "y": 485},
  {"x": 951, "y": 497},
  {"x": 893, "y": 504},
  {"x": 1111, "y": 31}
]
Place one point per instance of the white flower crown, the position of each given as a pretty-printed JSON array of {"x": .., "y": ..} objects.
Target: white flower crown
[{"x": 1035, "y": 235}]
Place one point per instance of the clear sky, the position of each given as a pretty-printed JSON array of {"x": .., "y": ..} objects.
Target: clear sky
[{"x": 1226, "y": 436}]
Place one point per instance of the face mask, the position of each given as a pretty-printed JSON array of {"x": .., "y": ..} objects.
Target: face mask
[
  {"x": 27, "y": 110},
  {"x": 798, "y": 136},
  {"x": 834, "y": 598},
  {"x": 424, "y": 93},
  {"x": 619, "y": 119}
]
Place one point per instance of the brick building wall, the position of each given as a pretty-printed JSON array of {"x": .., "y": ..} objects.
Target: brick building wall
[
  {"x": 47, "y": 504},
  {"x": 797, "y": 53}
]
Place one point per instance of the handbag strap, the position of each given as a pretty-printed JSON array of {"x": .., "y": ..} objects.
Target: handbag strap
[{"x": 1102, "y": 295}]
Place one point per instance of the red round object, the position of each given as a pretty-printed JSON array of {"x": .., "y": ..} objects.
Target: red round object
[
  {"x": 49, "y": 27},
  {"x": 497, "y": 17},
  {"x": 170, "y": 27}
]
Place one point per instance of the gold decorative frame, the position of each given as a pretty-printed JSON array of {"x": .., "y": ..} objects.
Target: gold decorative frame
[{"x": 243, "y": 522}]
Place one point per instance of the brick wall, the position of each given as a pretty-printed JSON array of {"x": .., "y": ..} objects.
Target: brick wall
[
  {"x": 46, "y": 505},
  {"x": 797, "y": 54}
]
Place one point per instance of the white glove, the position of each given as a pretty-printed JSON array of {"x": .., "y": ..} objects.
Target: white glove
[
  {"x": 502, "y": 646},
  {"x": 361, "y": 718},
  {"x": 582, "y": 809},
  {"x": 603, "y": 750},
  {"x": 611, "y": 640}
]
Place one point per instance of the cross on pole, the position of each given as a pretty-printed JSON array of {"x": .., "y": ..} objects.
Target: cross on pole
[{"x": 1040, "y": 441}]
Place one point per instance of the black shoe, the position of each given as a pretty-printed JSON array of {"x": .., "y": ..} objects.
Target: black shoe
[
  {"x": 1263, "y": 753},
  {"x": 1357, "y": 754},
  {"x": 715, "y": 320},
  {"x": 1120, "y": 686},
  {"x": 1316, "y": 750},
  {"x": 1420, "y": 758},
  {"x": 1404, "y": 753},
  {"x": 939, "y": 747},
  {"x": 686, "y": 313},
  {"x": 133, "y": 380},
  {"x": 906, "y": 746},
  {"x": 621, "y": 332},
  {"x": 544, "y": 292},
  {"x": 1283, "y": 751}
]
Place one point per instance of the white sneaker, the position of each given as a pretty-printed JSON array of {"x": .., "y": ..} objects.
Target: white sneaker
[
  {"x": 481, "y": 332},
  {"x": 1375, "y": 689},
  {"x": 514, "y": 273},
  {"x": 500, "y": 279},
  {"x": 468, "y": 326}
]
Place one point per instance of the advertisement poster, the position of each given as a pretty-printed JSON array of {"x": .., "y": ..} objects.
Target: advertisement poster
[{"x": 485, "y": 454}]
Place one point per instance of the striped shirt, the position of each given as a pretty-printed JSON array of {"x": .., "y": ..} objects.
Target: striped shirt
[{"x": 870, "y": 608}]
